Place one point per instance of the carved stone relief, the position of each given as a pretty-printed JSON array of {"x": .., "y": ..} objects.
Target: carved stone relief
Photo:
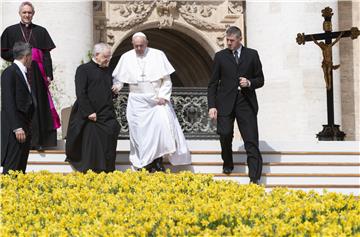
[
  {"x": 132, "y": 13},
  {"x": 193, "y": 14},
  {"x": 166, "y": 10},
  {"x": 197, "y": 17},
  {"x": 235, "y": 7}
]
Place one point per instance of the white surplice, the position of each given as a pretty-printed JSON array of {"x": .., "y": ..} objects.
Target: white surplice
[{"x": 154, "y": 129}]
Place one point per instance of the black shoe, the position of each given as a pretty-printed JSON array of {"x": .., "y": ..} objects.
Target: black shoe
[
  {"x": 38, "y": 148},
  {"x": 227, "y": 170},
  {"x": 159, "y": 165},
  {"x": 254, "y": 181},
  {"x": 150, "y": 167}
]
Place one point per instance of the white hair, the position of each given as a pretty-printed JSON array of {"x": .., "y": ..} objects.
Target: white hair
[
  {"x": 139, "y": 34},
  {"x": 100, "y": 47},
  {"x": 27, "y": 4}
]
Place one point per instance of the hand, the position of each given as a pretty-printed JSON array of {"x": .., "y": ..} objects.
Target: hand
[
  {"x": 244, "y": 82},
  {"x": 115, "y": 88},
  {"x": 92, "y": 117},
  {"x": 213, "y": 113},
  {"x": 161, "y": 101},
  {"x": 20, "y": 135}
]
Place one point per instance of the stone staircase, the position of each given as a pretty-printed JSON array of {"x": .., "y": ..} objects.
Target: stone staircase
[{"x": 334, "y": 166}]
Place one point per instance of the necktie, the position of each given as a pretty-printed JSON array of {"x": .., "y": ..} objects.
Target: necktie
[
  {"x": 28, "y": 78},
  {"x": 236, "y": 56}
]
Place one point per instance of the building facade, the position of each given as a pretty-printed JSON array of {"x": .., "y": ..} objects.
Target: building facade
[{"x": 293, "y": 100}]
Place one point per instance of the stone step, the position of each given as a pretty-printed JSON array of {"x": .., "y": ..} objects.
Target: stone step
[
  {"x": 215, "y": 156},
  {"x": 216, "y": 167},
  {"x": 297, "y": 179},
  {"x": 334, "y": 166},
  {"x": 265, "y": 146}
]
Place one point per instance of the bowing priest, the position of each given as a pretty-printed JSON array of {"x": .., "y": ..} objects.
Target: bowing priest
[
  {"x": 155, "y": 132},
  {"x": 45, "y": 120},
  {"x": 93, "y": 128}
]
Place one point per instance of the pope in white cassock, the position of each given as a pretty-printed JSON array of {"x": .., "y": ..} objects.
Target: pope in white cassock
[{"x": 154, "y": 129}]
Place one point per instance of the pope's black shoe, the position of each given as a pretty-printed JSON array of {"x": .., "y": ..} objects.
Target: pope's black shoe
[
  {"x": 151, "y": 167},
  {"x": 159, "y": 166}
]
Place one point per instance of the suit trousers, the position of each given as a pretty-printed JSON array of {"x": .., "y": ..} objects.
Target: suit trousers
[
  {"x": 17, "y": 154},
  {"x": 246, "y": 119}
]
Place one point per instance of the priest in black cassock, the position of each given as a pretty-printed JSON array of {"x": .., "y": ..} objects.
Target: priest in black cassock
[
  {"x": 93, "y": 128},
  {"x": 45, "y": 120}
]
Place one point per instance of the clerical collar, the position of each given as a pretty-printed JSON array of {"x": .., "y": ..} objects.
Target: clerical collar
[
  {"x": 26, "y": 25},
  {"x": 96, "y": 63}
]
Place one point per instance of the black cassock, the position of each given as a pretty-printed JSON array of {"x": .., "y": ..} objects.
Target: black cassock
[
  {"x": 43, "y": 131},
  {"x": 92, "y": 145}
]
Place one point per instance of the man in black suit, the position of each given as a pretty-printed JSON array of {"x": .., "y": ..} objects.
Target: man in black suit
[
  {"x": 17, "y": 108},
  {"x": 237, "y": 72}
]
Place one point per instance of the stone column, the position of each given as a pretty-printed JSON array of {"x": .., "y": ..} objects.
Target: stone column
[
  {"x": 349, "y": 70},
  {"x": 356, "y": 69},
  {"x": 293, "y": 100}
]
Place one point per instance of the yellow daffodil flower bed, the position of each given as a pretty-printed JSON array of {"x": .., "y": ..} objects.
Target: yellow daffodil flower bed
[{"x": 142, "y": 204}]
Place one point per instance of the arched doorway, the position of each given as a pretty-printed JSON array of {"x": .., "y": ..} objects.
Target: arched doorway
[{"x": 191, "y": 62}]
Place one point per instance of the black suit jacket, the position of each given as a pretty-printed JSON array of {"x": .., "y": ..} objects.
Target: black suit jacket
[
  {"x": 224, "y": 82},
  {"x": 17, "y": 105}
]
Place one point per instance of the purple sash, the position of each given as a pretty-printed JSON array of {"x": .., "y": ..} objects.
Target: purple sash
[{"x": 37, "y": 56}]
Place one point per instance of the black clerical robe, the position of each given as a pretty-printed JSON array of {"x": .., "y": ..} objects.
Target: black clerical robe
[
  {"x": 43, "y": 130},
  {"x": 92, "y": 145}
]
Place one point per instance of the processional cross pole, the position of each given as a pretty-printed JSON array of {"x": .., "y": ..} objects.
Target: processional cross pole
[{"x": 331, "y": 131}]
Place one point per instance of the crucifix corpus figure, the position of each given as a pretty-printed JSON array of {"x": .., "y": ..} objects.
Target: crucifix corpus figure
[{"x": 327, "y": 63}]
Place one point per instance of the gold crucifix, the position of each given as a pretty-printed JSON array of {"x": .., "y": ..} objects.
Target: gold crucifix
[{"x": 331, "y": 131}]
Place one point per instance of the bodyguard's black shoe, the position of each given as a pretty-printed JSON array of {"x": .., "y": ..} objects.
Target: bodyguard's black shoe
[
  {"x": 38, "y": 148},
  {"x": 227, "y": 170},
  {"x": 254, "y": 181},
  {"x": 159, "y": 165}
]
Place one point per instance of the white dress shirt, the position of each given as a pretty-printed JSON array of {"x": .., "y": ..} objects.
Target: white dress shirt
[
  {"x": 23, "y": 70},
  {"x": 239, "y": 51},
  {"x": 239, "y": 54}
]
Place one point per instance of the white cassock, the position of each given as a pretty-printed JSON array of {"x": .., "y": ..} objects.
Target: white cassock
[{"x": 154, "y": 129}]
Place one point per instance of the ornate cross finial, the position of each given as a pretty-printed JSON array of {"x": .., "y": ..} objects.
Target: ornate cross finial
[
  {"x": 355, "y": 32},
  {"x": 327, "y": 12}
]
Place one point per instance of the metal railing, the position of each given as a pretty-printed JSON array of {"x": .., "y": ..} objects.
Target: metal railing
[{"x": 190, "y": 105}]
